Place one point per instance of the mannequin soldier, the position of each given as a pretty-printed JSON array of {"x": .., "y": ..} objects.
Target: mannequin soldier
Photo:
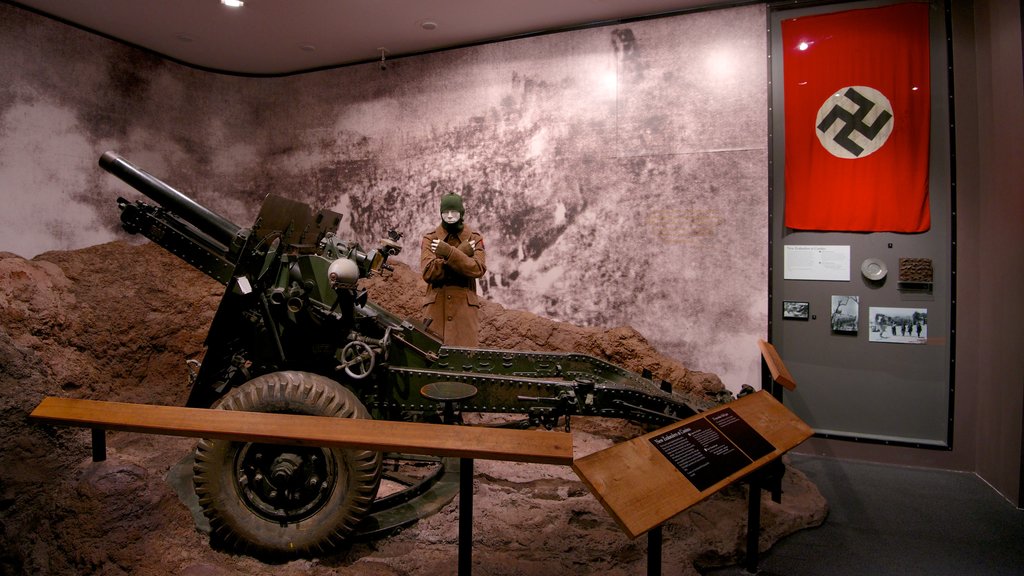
[{"x": 452, "y": 258}]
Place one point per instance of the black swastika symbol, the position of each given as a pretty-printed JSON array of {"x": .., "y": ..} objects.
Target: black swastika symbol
[{"x": 854, "y": 122}]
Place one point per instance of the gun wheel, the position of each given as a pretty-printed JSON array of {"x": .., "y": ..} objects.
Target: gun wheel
[{"x": 271, "y": 500}]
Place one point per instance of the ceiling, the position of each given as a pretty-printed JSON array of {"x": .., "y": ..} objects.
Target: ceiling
[{"x": 274, "y": 37}]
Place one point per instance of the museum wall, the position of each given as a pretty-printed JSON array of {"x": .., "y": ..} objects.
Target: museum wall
[
  {"x": 616, "y": 173},
  {"x": 614, "y": 182},
  {"x": 999, "y": 248},
  {"x": 989, "y": 369},
  {"x": 857, "y": 381}
]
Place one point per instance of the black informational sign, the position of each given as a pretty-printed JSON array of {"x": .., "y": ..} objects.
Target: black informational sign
[
  {"x": 709, "y": 449},
  {"x": 742, "y": 434}
]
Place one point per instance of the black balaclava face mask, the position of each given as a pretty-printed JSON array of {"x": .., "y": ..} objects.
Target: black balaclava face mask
[{"x": 452, "y": 203}]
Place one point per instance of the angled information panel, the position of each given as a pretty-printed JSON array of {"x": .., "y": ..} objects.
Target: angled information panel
[{"x": 647, "y": 480}]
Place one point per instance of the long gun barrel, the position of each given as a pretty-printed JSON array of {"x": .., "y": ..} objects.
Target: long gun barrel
[
  {"x": 187, "y": 229},
  {"x": 216, "y": 226}
]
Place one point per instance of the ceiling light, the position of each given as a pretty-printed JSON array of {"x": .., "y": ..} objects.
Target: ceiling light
[
  {"x": 428, "y": 24},
  {"x": 233, "y": 3}
]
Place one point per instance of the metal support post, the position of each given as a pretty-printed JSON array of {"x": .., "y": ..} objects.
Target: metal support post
[
  {"x": 99, "y": 444},
  {"x": 768, "y": 383},
  {"x": 654, "y": 551},
  {"x": 753, "y": 522},
  {"x": 465, "y": 516}
]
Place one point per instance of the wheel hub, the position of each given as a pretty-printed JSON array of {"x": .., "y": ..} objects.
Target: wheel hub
[{"x": 284, "y": 484}]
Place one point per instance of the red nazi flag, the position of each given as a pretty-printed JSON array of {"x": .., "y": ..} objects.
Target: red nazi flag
[{"x": 857, "y": 120}]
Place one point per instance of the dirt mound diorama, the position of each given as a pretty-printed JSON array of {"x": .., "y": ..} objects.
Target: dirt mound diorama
[{"x": 285, "y": 301}]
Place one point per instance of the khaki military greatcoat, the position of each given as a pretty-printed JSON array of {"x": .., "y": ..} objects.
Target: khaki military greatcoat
[{"x": 451, "y": 303}]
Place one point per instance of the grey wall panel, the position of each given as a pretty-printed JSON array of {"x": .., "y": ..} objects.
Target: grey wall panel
[{"x": 847, "y": 385}]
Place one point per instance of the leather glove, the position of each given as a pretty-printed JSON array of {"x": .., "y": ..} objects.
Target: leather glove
[
  {"x": 442, "y": 249},
  {"x": 468, "y": 247}
]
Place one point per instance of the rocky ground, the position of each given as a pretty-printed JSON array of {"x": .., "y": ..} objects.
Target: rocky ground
[{"x": 118, "y": 321}]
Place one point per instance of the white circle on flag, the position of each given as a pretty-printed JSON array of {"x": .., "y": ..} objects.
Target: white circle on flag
[{"x": 854, "y": 122}]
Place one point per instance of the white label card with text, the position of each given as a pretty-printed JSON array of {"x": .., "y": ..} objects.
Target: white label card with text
[{"x": 817, "y": 263}]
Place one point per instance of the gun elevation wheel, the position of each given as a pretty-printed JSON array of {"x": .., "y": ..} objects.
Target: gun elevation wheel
[
  {"x": 270, "y": 500},
  {"x": 358, "y": 359}
]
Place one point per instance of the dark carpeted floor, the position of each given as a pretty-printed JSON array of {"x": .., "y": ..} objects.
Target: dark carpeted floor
[{"x": 891, "y": 520}]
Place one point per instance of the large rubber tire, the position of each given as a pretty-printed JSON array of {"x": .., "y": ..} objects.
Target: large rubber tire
[{"x": 240, "y": 485}]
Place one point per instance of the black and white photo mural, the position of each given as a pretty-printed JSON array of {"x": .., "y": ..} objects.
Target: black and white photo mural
[{"x": 617, "y": 173}]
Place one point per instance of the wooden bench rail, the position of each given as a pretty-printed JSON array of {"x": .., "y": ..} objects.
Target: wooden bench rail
[
  {"x": 778, "y": 370},
  {"x": 464, "y": 442},
  {"x": 537, "y": 446}
]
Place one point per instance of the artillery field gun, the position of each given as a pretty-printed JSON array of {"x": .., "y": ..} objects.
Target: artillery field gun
[{"x": 293, "y": 333}]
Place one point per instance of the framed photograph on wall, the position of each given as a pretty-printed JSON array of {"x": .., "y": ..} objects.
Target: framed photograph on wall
[
  {"x": 845, "y": 314},
  {"x": 793, "y": 310},
  {"x": 898, "y": 325}
]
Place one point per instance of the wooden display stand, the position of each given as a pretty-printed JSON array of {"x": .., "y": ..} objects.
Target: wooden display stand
[
  {"x": 648, "y": 480},
  {"x": 774, "y": 374}
]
